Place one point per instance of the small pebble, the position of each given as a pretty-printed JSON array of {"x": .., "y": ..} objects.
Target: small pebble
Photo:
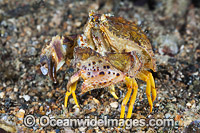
[
  {"x": 20, "y": 114},
  {"x": 77, "y": 110},
  {"x": 13, "y": 96},
  {"x": 169, "y": 45},
  {"x": 107, "y": 110},
  {"x": 174, "y": 100},
  {"x": 26, "y": 97},
  {"x": 48, "y": 112},
  {"x": 189, "y": 105},
  {"x": 2, "y": 94},
  {"x": 50, "y": 94},
  {"x": 167, "y": 115},
  {"x": 78, "y": 24},
  {"x": 82, "y": 129},
  {"x": 32, "y": 51},
  {"x": 157, "y": 105},
  {"x": 16, "y": 89},
  {"x": 68, "y": 130},
  {"x": 96, "y": 101},
  {"x": 114, "y": 104}
]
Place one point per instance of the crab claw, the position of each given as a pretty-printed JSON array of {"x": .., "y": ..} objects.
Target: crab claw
[
  {"x": 51, "y": 70},
  {"x": 53, "y": 57}
]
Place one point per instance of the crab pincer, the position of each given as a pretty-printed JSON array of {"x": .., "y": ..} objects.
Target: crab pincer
[{"x": 55, "y": 54}]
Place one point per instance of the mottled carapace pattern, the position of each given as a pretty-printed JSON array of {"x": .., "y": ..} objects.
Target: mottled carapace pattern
[{"x": 108, "y": 33}]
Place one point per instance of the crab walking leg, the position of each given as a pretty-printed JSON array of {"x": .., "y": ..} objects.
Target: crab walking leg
[
  {"x": 128, "y": 94},
  {"x": 133, "y": 98},
  {"x": 148, "y": 89},
  {"x": 153, "y": 89},
  {"x": 71, "y": 88},
  {"x": 67, "y": 94},
  {"x": 112, "y": 91}
]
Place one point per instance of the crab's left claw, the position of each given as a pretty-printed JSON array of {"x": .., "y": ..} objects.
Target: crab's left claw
[
  {"x": 53, "y": 57},
  {"x": 51, "y": 70}
]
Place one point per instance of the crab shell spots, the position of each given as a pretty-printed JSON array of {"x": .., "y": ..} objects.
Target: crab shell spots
[
  {"x": 93, "y": 85},
  {"x": 96, "y": 71},
  {"x": 101, "y": 80},
  {"x": 101, "y": 73}
]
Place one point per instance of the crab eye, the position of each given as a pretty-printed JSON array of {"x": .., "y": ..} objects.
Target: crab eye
[{"x": 93, "y": 19}]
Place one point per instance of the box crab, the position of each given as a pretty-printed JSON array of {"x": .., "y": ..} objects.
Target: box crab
[{"x": 111, "y": 50}]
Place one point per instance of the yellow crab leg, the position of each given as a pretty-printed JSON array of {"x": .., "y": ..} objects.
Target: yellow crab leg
[
  {"x": 148, "y": 89},
  {"x": 128, "y": 94},
  {"x": 153, "y": 89},
  {"x": 112, "y": 91},
  {"x": 72, "y": 91},
  {"x": 133, "y": 98},
  {"x": 67, "y": 94}
]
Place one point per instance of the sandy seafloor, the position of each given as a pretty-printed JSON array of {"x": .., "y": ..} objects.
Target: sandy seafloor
[{"x": 172, "y": 26}]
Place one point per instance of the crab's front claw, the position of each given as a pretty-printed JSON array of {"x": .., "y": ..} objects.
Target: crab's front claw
[
  {"x": 51, "y": 67},
  {"x": 53, "y": 57}
]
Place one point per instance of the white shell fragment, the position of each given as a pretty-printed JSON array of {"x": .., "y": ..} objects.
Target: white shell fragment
[{"x": 26, "y": 97}]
